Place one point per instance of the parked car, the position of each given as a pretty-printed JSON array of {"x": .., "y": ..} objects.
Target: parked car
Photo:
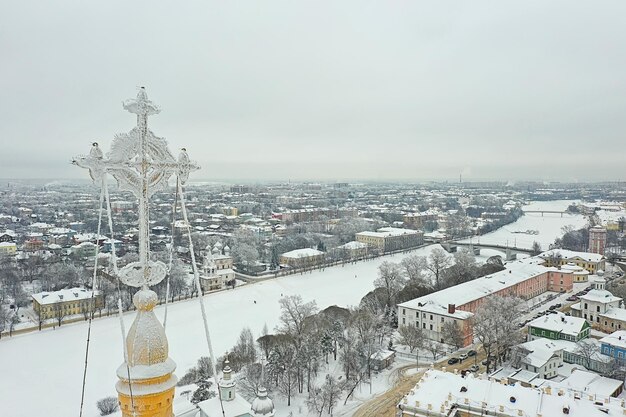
[
  {"x": 452, "y": 361},
  {"x": 552, "y": 307},
  {"x": 572, "y": 298},
  {"x": 471, "y": 353},
  {"x": 474, "y": 368},
  {"x": 463, "y": 356}
]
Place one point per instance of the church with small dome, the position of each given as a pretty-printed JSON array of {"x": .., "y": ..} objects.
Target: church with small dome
[
  {"x": 217, "y": 268},
  {"x": 228, "y": 403}
]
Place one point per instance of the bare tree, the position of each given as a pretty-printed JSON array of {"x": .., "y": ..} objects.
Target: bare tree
[
  {"x": 536, "y": 248},
  {"x": 364, "y": 324},
  {"x": 411, "y": 336},
  {"x": 4, "y": 318},
  {"x": 587, "y": 350},
  {"x": 250, "y": 379},
  {"x": 293, "y": 312},
  {"x": 554, "y": 258},
  {"x": 413, "y": 267},
  {"x": 331, "y": 391},
  {"x": 452, "y": 334},
  {"x": 282, "y": 368},
  {"x": 494, "y": 326},
  {"x": 433, "y": 347},
  {"x": 391, "y": 279},
  {"x": 244, "y": 352},
  {"x": 107, "y": 406},
  {"x": 463, "y": 270},
  {"x": 438, "y": 261},
  {"x": 59, "y": 312}
]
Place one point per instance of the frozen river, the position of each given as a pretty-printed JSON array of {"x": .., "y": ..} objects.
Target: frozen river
[{"x": 548, "y": 226}]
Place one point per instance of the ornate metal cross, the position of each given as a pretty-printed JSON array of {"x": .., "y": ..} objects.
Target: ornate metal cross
[{"x": 142, "y": 164}]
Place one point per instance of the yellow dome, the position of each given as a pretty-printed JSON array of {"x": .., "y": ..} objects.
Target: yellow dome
[{"x": 146, "y": 341}]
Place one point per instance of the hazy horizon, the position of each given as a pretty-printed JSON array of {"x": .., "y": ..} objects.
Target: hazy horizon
[{"x": 323, "y": 91}]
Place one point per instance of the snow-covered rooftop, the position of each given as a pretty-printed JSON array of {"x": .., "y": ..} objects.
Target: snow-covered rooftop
[
  {"x": 466, "y": 292},
  {"x": 539, "y": 357},
  {"x": 590, "y": 383},
  {"x": 570, "y": 254},
  {"x": 302, "y": 253},
  {"x": 238, "y": 406},
  {"x": 617, "y": 339},
  {"x": 602, "y": 296},
  {"x": 443, "y": 392},
  {"x": 353, "y": 245},
  {"x": 559, "y": 322},
  {"x": 615, "y": 313},
  {"x": 61, "y": 296}
]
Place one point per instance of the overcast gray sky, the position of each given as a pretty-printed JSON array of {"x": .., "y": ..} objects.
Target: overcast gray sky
[{"x": 329, "y": 90}]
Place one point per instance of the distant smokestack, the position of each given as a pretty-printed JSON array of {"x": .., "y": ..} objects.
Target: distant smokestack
[{"x": 451, "y": 308}]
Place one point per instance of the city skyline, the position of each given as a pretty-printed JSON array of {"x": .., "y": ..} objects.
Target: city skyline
[{"x": 353, "y": 91}]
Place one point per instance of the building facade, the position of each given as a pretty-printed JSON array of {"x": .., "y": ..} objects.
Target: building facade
[
  {"x": 302, "y": 258},
  {"x": 559, "y": 327},
  {"x": 597, "y": 240},
  {"x": 459, "y": 303},
  {"x": 592, "y": 262},
  {"x": 602, "y": 309},
  {"x": 390, "y": 238},
  {"x": 62, "y": 303},
  {"x": 614, "y": 346}
]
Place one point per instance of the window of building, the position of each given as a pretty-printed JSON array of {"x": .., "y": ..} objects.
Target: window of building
[
  {"x": 598, "y": 309},
  {"x": 442, "y": 320},
  {"x": 431, "y": 327},
  {"x": 403, "y": 320},
  {"x": 431, "y": 316},
  {"x": 586, "y": 307},
  {"x": 423, "y": 325}
]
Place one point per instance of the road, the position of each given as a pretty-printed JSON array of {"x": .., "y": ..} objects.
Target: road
[{"x": 385, "y": 404}]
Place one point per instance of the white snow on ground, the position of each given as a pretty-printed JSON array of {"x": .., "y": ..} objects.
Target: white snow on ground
[
  {"x": 549, "y": 226},
  {"x": 48, "y": 365}
]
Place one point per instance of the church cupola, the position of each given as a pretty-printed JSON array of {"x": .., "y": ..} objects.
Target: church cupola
[
  {"x": 600, "y": 283},
  {"x": 226, "y": 384},
  {"x": 262, "y": 405}
]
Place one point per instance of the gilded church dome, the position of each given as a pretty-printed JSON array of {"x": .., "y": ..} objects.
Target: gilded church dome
[{"x": 146, "y": 341}]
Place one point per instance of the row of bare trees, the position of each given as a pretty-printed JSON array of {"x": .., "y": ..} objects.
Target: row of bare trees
[{"x": 289, "y": 361}]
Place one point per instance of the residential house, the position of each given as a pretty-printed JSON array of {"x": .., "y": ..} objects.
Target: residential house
[
  {"x": 302, "y": 258},
  {"x": 524, "y": 279},
  {"x": 592, "y": 262},
  {"x": 601, "y": 308},
  {"x": 391, "y": 238},
  {"x": 67, "y": 302},
  {"x": 614, "y": 346},
  {"x": 440, "y": 393},
  {"x": 559, "y": 326}
]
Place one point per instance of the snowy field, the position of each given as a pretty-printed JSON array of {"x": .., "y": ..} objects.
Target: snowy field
[
  {"x": 549, "y": 226},
  {"x": 48, "y": 365}
]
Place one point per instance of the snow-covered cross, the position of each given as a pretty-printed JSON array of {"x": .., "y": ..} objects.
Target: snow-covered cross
[{"x": 142, "y": 164}]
